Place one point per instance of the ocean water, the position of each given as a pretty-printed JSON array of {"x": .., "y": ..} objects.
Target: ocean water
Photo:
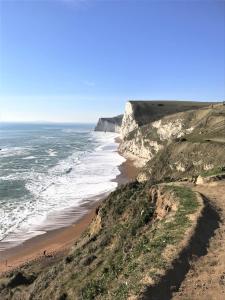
[{"x": 47, "y": 170}]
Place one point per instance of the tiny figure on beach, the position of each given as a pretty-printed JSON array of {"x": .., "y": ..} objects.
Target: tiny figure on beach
[{"x": 47, "y": 255}]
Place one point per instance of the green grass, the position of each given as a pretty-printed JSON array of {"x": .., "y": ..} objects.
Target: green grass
[
  {"x": 112, "y": 264},
  {"x": 213, "y": 172},
  {"x": 139, "y": 246}
]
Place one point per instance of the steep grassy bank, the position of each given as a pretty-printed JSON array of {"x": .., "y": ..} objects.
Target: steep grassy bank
[
  {"x": 184, "y": 159},
  {"x": 131, "y": 242},
  {"x": 183, "y": 145}
]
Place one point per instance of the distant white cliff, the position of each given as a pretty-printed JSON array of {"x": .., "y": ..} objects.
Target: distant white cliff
[{"x": 109, "y": 124}]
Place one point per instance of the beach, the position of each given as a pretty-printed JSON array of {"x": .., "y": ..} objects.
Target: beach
[{"x": 54, "y": 244}]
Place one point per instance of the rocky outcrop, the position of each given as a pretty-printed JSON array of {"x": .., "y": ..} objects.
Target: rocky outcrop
[
  {"x": 146, "y": 141},
  {"x": 139, "y": 148},
  {"x": 183, "y": 159},
  {"x": 109, "y": 124}
]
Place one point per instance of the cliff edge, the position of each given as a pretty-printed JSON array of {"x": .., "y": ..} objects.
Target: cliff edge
[{"x": 139, "y": 113}]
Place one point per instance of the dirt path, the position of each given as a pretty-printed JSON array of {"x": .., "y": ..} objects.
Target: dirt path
[{"x": 205, "y": 279}]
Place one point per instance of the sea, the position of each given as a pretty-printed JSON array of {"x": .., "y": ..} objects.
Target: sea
[{"x": 49, "y": 170}]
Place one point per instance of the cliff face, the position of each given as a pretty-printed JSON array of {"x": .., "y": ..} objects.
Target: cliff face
[
  {"x": 129, "y": 123},
  {"x": 164, "y": 123},
  {"x": 193, "y": 145},
  {"x": 170, "y": 138},
  {"x": 139, "y": 113},
  {"x": 109, "y": 124}
]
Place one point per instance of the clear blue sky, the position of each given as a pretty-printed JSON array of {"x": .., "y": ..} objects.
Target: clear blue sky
[{"x": 70, "y": 60}]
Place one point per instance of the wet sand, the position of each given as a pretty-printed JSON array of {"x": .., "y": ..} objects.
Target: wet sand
[{"x": 59, "y": 241}]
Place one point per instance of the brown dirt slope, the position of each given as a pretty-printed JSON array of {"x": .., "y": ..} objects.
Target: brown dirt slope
[{"x": 206, "y": 276}]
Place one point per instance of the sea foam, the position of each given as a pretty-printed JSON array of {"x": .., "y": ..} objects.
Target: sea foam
[{"x": 51, "y": 195}]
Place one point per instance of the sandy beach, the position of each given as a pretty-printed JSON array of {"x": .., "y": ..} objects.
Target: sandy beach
[{"x": 56, "y": 243}]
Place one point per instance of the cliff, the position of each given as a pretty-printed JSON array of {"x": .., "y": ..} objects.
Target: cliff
[
  {"x": 145, "y": 233},
  {"x": 109, "y": 124},
  {"x": 182, "y": 145},
  {"x": 139, "y": 113},
  {"x": 143, "y": 142}
]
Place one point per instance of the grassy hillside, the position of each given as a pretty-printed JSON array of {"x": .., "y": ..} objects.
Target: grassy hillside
[
  {"x": 121, "y": 253},
  {"x": 193, "y": 153}
]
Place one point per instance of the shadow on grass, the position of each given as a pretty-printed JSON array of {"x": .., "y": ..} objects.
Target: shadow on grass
[{"x": 197, "y": 247}]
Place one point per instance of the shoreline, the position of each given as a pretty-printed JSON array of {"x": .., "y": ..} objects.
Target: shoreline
[{"x": 56, "y": 243}]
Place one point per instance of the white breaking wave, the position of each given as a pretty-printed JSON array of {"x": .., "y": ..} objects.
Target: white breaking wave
[
  {"x": 14, "y": 151},
  {"x": 29, "y": 157},
  {"x": 78, "y": 178}
]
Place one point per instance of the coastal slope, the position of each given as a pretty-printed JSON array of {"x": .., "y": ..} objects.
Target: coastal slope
[
  {"x": 180, "y": 144},
  {"x": 151, "y": 237},
  {"x": 192, "y": 143},
  {"x": 137, "y": 233}
]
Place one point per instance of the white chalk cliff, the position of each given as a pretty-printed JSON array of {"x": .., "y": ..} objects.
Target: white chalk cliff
[{"x": 109, "y": 124}]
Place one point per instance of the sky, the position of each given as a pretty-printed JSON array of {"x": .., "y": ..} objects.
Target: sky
[{"x": 77, "y": 60}]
